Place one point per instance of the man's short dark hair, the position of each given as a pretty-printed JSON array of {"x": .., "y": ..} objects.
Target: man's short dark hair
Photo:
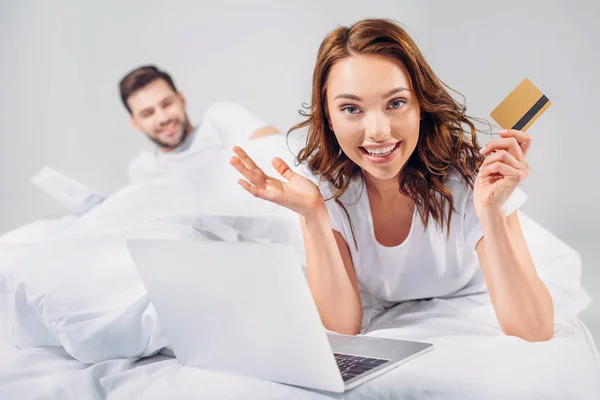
[{"x": 140, "y": 77}]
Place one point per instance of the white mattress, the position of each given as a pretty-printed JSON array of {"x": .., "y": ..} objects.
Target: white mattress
[{"x": 472, "y": 359}]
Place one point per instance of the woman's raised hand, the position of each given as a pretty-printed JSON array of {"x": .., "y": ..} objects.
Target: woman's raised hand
[{"x": 295, "y": 193}]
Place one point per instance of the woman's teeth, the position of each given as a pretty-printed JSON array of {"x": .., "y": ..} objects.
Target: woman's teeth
[{"x": 384, "y": 151}]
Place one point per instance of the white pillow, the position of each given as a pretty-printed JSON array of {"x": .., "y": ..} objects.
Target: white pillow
[{"x": 84, "y": 294}]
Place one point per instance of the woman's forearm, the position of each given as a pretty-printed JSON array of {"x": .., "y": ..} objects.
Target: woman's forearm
[
  {"x": 335, "y": 294},
  {"x": 521, "y": 300}
]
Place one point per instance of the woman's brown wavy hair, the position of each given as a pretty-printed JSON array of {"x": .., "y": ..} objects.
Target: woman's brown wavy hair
[{"x": 443, "y": 146}]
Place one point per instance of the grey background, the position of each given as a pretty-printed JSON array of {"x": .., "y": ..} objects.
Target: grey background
[{"x": 61, "y": 62}]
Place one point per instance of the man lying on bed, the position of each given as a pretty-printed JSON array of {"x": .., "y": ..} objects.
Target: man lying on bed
[{"x": 158, "y": 110}]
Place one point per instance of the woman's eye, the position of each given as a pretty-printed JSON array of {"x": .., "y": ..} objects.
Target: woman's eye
[
  {"x": 397, "y": 103},
  {"x": 350, "y": 110}
]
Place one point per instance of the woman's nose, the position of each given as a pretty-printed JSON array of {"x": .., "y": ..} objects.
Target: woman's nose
[{"x": 377, "y": 126}]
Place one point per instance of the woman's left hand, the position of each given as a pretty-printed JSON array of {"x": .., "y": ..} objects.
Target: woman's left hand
[{"x": 503, "y": 169}]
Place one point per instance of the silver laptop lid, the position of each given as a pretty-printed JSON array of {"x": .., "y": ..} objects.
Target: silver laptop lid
[{"x": 243, "y": 308}]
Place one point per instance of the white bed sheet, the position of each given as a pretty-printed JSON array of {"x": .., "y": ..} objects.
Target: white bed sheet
[{"x": 472, "y": 359}]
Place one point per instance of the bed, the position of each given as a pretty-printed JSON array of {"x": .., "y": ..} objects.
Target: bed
[
  {"x": 76, "y": 323},
  {"x": 471, "y": 360}
]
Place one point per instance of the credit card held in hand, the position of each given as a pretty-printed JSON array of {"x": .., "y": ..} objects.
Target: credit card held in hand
[{"x": 521, "y": 107}]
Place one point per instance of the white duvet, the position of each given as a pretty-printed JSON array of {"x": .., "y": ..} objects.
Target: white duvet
[
  {"x": 76, "y": 290},
  {"x": 472, "y": 359}
]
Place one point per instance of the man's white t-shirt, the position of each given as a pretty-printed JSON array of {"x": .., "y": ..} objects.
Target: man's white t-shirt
[
  {"x": 429, "y": 263},
  {"x": 224, "y": 124}
]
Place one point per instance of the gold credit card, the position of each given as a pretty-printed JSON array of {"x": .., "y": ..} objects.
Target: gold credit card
[{"x": 521, "y": 107}]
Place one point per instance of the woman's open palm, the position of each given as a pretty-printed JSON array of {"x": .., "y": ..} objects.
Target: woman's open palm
[{"x": 297, "y": 194}]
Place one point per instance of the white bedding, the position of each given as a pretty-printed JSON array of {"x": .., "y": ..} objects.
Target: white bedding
[
  {"x": 72, "y": 300},
  {"x": 83, "y": 292},
  {"x": 472, "y": 359}
]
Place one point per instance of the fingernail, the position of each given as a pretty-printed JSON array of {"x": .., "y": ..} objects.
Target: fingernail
[
  {"x": 482, "y": 150},
  {"x": 502, "y": 131}
]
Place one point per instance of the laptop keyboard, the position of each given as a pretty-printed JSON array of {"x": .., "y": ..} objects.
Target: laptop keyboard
[{"x": 352, "y": 366}]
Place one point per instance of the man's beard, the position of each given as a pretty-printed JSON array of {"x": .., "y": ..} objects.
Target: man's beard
[{"x": 183, "y": 134}]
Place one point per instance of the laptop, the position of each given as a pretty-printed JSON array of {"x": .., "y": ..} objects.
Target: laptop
[{"x": 246, "y": 309}]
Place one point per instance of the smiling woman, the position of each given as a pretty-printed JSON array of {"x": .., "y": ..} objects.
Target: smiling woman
[
  {"x": 377, "y": 128},
  {"x": 393, "y": 151},
  {"x": 366, "y": 85},
  {"x": 375, "y": 153}
]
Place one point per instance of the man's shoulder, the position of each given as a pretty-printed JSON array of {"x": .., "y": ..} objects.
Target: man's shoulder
[{"x": 225, "y": 108}]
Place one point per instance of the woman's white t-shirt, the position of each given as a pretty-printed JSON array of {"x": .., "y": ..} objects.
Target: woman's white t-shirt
[{"x": 429, "y": 263}]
